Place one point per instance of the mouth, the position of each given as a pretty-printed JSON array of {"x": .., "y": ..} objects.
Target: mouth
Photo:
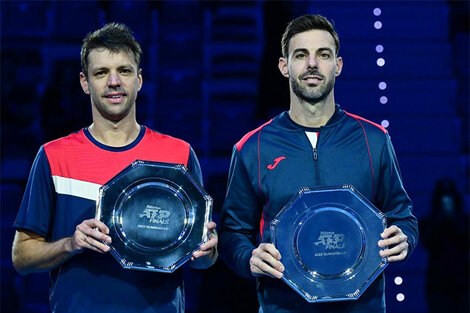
[
  {"x": 115, "y": 97},
  {"x": 312, "y": 78}
]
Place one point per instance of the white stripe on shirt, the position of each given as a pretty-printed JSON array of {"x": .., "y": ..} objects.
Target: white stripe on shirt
[{"x": 77, "y": 188}]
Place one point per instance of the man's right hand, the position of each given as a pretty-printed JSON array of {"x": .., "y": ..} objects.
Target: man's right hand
[
  {"x": 265, "y": 260},
  {"x": 90, "y": 234}
]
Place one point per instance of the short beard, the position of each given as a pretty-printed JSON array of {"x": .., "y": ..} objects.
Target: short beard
[{"x": 312, "y": 96}]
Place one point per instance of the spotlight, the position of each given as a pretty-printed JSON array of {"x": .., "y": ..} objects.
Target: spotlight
[
  {"x": 398, "y": 280},
  {"x": 385, "y": 123},
  {"x": 400, "y": 297}
]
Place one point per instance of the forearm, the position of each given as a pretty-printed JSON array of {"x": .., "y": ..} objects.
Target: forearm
[
  {"x": 36, "y": 255},
  {"x": 236, "y": 250},
  {"x": 240, "y": 218},
  {"x": 393, "y": 200}
]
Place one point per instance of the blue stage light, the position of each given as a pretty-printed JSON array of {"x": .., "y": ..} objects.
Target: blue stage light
[{"x": 398, "y": 280}]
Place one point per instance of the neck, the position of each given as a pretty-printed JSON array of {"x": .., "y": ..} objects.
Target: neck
[
  {"x": 117, "y": 134},
  {"x": 311, "y": 115}
]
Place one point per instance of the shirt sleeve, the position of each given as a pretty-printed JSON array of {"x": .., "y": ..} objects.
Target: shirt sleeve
[
  {"x": 392, "y": 197},
  {"x": 194, "y": 166},
  {"x": 37, "y": 207},
  {"x": 240, "y": 219}
]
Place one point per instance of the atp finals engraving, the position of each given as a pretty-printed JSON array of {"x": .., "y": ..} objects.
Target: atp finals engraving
[
  {"x": 333, "y": 243},
  {"x": 157, "y": 217}
]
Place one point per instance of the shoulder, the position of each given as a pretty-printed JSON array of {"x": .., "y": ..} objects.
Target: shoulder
[
  {"x": 168, "y": 148},
  {"x": 367, "y": 124},
  {"x": 65, "y": 143},
  {"x": 251, "y": 137},
  {"x": 165, "y": 140},
  {"x": 374, "y": 132}
]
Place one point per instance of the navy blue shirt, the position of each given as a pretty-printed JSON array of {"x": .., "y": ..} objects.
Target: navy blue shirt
[{"x": 269, "y": 166}]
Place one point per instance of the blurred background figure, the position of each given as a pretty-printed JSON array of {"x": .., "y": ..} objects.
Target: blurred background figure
[{"x": 445, "y": 235}]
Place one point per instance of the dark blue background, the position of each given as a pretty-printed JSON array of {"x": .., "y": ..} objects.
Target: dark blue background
[{"x": 210, "y": 75}]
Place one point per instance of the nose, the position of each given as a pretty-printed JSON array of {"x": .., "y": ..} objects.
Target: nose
[
  {"x": 114, "y": 79},
  {"x": 312, "y": 61}
]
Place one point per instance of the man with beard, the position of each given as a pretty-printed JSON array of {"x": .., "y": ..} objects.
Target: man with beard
[
  {"x": 314, "y": 144},
  {"x": 55, "y": 227}
]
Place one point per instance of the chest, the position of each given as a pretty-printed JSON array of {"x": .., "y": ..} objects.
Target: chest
[{"x": 288, "y": 163}]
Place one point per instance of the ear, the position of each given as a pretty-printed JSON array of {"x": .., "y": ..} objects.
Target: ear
[
  {"x": 339, "y": 66},
  {"x": 84, "y": 83},
  {"x": 141, "y": 80},
  {"x": 282, "y": 65}
]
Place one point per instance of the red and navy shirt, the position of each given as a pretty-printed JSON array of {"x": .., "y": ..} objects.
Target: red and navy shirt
[
  {"x": 62, "y": 191},
  {"x": 273, "y": 162}
]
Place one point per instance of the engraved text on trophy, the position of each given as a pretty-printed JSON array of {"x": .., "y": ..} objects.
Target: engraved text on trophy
[
  {"x": 333, "y": 243},
  {"x": 156, "y": 216}
]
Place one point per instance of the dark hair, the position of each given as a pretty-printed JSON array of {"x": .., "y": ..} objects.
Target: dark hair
[
  {"x": 305, "y": 23},
  {"x": 114, "y": 37}
]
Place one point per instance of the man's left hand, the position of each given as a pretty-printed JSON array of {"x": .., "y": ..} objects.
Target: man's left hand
[
  {"x": 209, "y": 247},
  {"x": 395, "y": 243}
]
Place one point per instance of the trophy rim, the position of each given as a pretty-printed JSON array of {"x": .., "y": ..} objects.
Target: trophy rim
[
  {"x": 366, "y": 265},
  {"x": 195, "y": 201}
]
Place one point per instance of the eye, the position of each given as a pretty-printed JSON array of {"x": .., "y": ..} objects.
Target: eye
[
  {"x": 325, "y": 55},
  {"x": 100, "y": 73},
  {"x": 300, "y": 55},
  {"x": 125, "y": 71}
]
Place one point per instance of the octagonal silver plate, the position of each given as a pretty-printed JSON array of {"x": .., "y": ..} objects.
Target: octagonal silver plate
[
  {"x": 156, "y": 213},
  {"x": 327, "y": 238}
]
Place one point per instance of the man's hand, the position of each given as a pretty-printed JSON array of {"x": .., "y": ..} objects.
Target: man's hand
[
  {"x": 90, "y": 234},
  {"x": 207, "y": 253},
  {"x": 207, "y": 248},
  {"x": 32, "y": 253},
  {"x": 396, "y": 240},
  {"x": 265, "y": 260}
]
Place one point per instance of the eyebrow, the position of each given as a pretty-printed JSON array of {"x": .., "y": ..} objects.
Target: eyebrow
[
  {"x": 300, "y": 50},
  {"x": 120, "y": 67},
  {"x": 98, "y": 69},
  {"x": 305, "y": 50},
  {"x": 326, "y": 49}
]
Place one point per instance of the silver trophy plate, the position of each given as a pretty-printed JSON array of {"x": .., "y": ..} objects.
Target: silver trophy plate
[
  {"x": 327, "y": 238},
  {"x": 156, "y": 213}
]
